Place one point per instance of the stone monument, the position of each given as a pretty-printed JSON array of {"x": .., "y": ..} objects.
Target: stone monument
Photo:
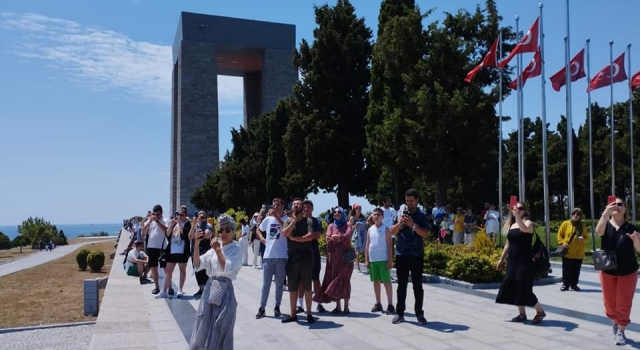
[{"x": 206, "y": 46}]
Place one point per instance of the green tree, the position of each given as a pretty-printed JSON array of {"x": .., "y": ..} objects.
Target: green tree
[
  {"x": 5, "y": 242},
  {"x": 20, "y": 241},
  {"x": 332, "y": 103},
  {"x": 396, "y": 53},
  {"x": 37, "y": 230},
  {"x": 62, "y": 239}
]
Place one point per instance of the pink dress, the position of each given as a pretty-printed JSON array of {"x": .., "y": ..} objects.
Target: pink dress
[{"x": 336, "y": 284}]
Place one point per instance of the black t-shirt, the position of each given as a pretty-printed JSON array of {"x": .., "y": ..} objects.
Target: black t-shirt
[
  {"x": 299, "y": 250},
  {"x": 618, "y": 241}
]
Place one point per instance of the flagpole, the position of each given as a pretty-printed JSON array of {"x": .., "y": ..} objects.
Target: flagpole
[
  {"x": 633, "y": 179},
  {"x": 500, "y": 132},
  {"x": 520, "y": 129},
  {"x": 570, "y": 186},
  {"x": 592, "y": 204},
  {"x": 545, "y": 184},
  {"x": 611, "y": 118}
]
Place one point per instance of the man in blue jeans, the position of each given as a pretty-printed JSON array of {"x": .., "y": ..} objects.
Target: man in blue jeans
[
  {"x": 275, "y": 256},
  {"x": 410, "y": 226}
]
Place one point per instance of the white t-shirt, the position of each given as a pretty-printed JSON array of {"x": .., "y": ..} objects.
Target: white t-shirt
[
  {"x": 233, "y": 256},
  {"x": 134, "y": 254},
  {"x": 177, "y": 244},
  {"x": 491, "y": 221},
  {"x": 245, "y": 231},
  {"x": 275, "y": 242},
  {"x": 156, "y": 235},
  {"x": 377, "y": 243},
  {"x": 389, "y": 214}
]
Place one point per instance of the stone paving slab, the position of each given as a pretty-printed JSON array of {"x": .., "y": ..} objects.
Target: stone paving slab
[
  {"x": 458, "y": 319},
  {"x": 57, "y": 338}
]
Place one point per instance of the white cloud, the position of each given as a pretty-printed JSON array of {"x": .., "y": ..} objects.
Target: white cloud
[{"x": 102, "y": 59}]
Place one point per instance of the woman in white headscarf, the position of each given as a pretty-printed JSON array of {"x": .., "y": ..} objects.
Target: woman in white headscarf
[{"x": 216, "y": 315}]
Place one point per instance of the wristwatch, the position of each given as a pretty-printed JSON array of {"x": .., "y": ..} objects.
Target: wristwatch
[{"x": 413, "y": 228}]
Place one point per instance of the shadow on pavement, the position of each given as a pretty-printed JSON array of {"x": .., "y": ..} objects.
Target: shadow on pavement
[
  {"x": 320, "y": 324},
  {"x": 446, "y": 327},
  {"x": 568, "y": 326}
]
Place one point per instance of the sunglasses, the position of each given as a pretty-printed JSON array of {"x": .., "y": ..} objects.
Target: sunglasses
[
  {"x": 620, "y": 204},
  {"x": 226, "y": 230},
  {"x": 181, "y": 214},
  {"x": 520, "y": 208},
  {"x": 578, "y": 214}
]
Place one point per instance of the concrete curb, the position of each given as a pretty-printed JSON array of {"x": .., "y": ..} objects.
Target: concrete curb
[{"x": 45, "y": 326}]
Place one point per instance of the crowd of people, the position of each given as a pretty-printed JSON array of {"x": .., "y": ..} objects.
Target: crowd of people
[{"x": 285, "y": 247}]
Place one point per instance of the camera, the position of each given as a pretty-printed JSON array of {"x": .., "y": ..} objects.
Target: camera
[{"x": 405, "y": 212}]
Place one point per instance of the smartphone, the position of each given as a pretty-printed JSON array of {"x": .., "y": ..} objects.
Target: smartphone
[
  {"x": 513, "y": 202},
  {"x": 611, "y": 199}
]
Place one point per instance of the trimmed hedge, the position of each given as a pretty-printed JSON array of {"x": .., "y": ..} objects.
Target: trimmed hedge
[
  {"x": 81, "y": 259},
  {"x": 95, "y": 260}
]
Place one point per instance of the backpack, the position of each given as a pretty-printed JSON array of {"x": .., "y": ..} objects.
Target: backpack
[{"x": 541, "y": 264}]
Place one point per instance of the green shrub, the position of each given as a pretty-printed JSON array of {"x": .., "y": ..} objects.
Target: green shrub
[
  {"x": 435, "y": 259},
  {"x": 322, "y": 242},
  {"x": 95, "y": 260},
  {"x": 81, "y": 259},
  {"x": 472, "y": 267}
]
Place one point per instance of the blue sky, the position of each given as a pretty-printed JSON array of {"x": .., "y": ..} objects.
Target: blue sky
[{"x": 85, "y": 94}]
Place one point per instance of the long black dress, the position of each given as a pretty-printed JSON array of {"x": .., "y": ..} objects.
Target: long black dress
[{"x": 517, "y": 286}]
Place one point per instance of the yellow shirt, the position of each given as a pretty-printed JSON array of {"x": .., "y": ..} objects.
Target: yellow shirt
[
  {"x": 458, "y": 226},
  {"x": 576, "y": 246}
]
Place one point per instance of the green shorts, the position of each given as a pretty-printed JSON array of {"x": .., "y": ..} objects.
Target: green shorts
[
  {"x": 132, "y": 270},
  {"x": 378, "y": 271}
]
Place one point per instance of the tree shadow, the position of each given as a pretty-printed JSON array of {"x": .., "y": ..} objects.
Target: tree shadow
[
  {"x": 353, "y": 314},
  {"x": 568, "y": 326},
  {"x": 446, "y": 327}
]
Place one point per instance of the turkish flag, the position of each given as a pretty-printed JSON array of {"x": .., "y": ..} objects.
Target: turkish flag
[
  {"x": 489, "y": 60},
  {"x": 576, "y": 65},
  {"x": 533, "y": 70},
  {"x": 528, "y": 43},
  {"x": 635, "y": 81},
  {"x": 603, "y": 78}
]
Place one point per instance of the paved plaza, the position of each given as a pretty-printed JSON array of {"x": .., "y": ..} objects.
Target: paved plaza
[{"x": 457, "y": 319}]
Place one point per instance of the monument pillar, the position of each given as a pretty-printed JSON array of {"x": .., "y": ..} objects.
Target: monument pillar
[
  {"x": 196, "y": 149},
  {"x": 278, "y": 78},
  {"x": 252, "y": 96}
]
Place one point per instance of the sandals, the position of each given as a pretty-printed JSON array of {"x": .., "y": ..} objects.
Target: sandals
[
  {"x": 539, "y": 317},
  {"x": 519, "y": 318}
]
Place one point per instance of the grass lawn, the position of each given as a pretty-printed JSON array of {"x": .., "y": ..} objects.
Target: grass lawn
[{"x": 49, "y": 293}]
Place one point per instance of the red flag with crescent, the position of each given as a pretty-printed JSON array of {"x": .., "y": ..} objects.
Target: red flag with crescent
[
  {"x": 533, "y": 70},
  {"x": 635, "y": 81},
  {"x": 576, "y": 66},
  {"x": 489, "y": 60},
  {"x": 603, "y": 78},
  {"x": 528, "y": 43}
]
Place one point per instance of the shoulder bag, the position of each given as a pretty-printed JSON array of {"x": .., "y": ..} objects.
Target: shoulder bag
[
  {"x": 605, "y": 260},
  {"x": 562, "y": 251}
]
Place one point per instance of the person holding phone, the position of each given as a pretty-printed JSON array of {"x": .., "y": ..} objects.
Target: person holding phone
[
  {"x": 199, "y": 224},
  {"x": 216, "y": 314},
  {"x": 573, "y": 236},
  {"x": 517, "y": 285},
  {"x": 619, "y": 284}
]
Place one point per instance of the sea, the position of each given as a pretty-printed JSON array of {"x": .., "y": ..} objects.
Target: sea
[{"x": 72, "y": 230}]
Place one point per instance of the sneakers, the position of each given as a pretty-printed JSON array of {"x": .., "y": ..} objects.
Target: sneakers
[
  {"x": 180, "y": 294},
  {"x": 198, "y": 294},
  {"x": 162, "y": 294},
  {"x": 276, "y": 311},
  {"x": 391, "y": 310},
  {"x": 620, "y": 338},
  {"x": 377, "y": 307},
  {"x": 171, "y": 291},
  {"x": 310, "y": 319},
  {"x": 320, "y": 308},
  {"x": 260, "y": 314},
  {"x": 614, "y": 331},
  {"x": 421, "y": 319},
  {"x": 398, "y": 319},
  {"x": 290, "y": 319},
  {"x": 155, "y": 291}
]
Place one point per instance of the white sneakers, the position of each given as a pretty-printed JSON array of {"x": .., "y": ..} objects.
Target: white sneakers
[
  {"x": 180, "y": 293},
  {"x": 162, "y": 294}
]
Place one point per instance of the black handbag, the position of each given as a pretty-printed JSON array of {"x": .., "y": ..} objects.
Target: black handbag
[
  {"x": 605, "y": 260},
  {"x": 349, "y": 255},
  {"x": 562, "y": 251},
  {"x": 540, "y": 258},
  {"x": 162, "y": 260}
]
